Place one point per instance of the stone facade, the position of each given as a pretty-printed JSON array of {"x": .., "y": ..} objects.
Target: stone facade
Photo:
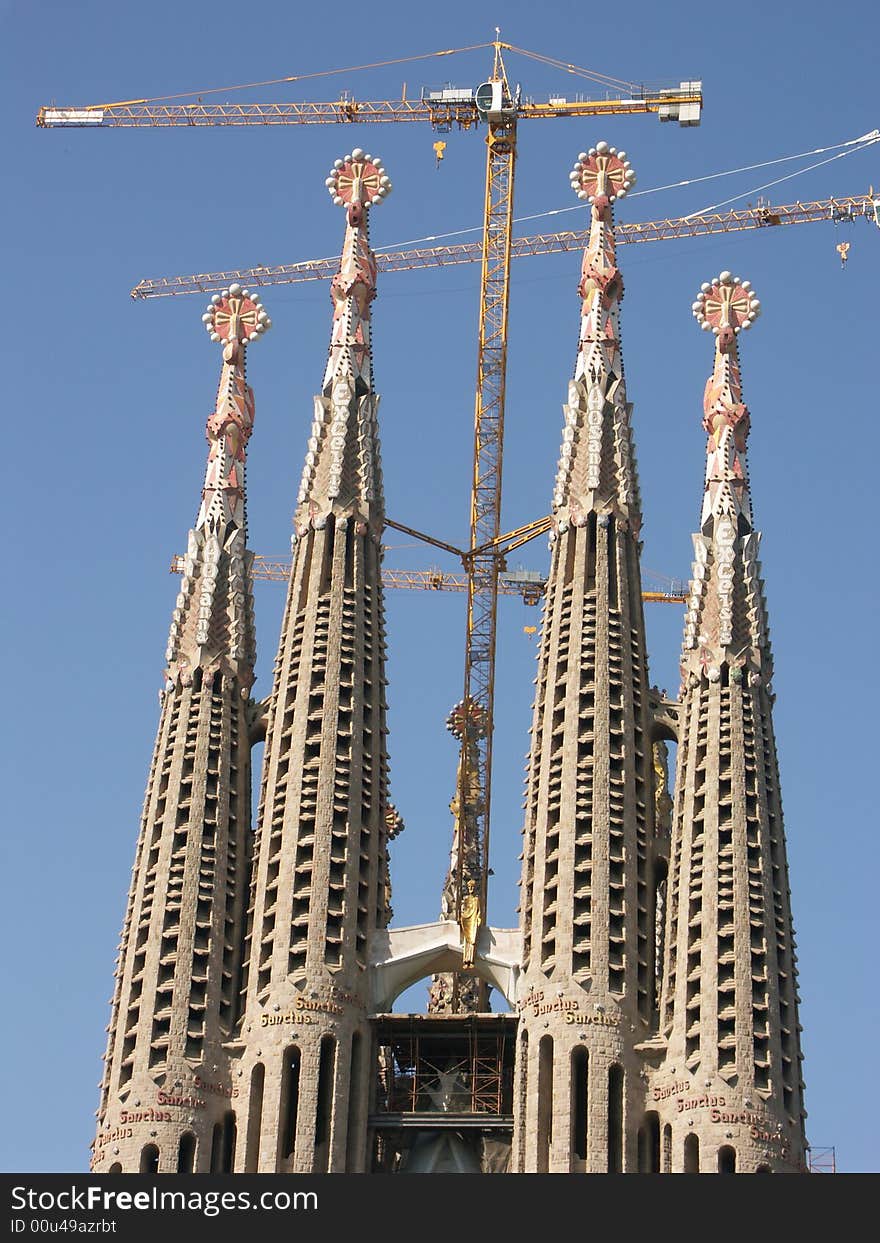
[{"x": 652, "y": 981}]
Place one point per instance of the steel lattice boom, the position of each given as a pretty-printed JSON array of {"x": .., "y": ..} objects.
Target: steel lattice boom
[{"x": 762, "y": 216}]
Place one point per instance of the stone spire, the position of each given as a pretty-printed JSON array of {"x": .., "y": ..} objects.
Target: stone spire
[
  {"x": 726, "y": 617},
  {"x": 321, "y": 886},
  {"x": 596, "y": 467},
  {"x": 179, "y": 967},
  {"x": 730, "y": 1087},
  {"x": 342, "y": 473},
  {"x": 589, "y": 878}
]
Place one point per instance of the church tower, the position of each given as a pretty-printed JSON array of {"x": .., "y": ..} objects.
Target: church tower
[
  {"x": 166, "y": 1091},
  {"x": 320, "y": 886},
  {"x": 587, "y": 889},
  {"x": 729, "y": 1094}
]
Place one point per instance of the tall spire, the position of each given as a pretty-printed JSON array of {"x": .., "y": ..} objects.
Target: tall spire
[
  {"x": 596, "y": 467},
  {"x": 342, "y": 473},
  {"x": 726, "y": 616},
  {"x": 167, "y": 1079},
  {"x": 730, "y": 1087},
  {"x": 321, "y": 881},
  {"x": 216, "y": 626},
  {"x": 590, "y": 867}
]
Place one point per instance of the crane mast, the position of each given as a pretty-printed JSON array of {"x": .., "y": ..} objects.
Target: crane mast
[{"x": 476, "y": 725}]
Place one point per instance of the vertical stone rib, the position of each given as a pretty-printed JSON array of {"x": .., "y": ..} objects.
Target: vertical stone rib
[
  {"x": 181, "y": 948},
  {"x": 732, "y": 1068}
]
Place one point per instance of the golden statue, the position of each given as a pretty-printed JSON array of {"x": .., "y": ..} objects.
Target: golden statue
[{"x": 469, "y": 922}]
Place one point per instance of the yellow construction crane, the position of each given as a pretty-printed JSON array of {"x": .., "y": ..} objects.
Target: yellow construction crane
[
  {"x": 494, "y": 104},
  {"x": 529, "y": 585},
  {"x": 762, "y": 216}
]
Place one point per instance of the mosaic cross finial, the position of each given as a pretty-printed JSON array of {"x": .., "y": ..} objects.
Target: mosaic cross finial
[
  {"x": 235, "y": 317},
  {"x": 725, "y": 306},
  {"x": 602, "y": 175},
  {"x": 357, "y": 182}
]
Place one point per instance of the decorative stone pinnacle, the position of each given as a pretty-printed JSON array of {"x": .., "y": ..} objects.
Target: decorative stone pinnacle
[
  {"x": 602, "y": 175},
  {"x": 357, "y": 182},
  {"x": 725, "y": 306},
  {"x": 235, "y": 317}
]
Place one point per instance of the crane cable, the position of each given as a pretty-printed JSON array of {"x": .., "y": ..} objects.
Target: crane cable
[
  {"x": 298, "y": 77},
  {"x": 600, "y": 78},
  {"x": 854, "y": 145}
]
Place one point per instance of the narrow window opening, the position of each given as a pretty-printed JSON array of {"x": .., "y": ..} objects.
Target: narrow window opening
[
  {"x": 353, "y": 1163},
  {"x": 289, "y": 1102},
  {"x": 323, "y": 1117},
  {"x": 615, "y": 1120},
  {"x": 545, "y": 1102},
  {"x": 149, "y": 1159},
  {"x": 255, "y": 1120},
  {"x": 726, "y": 1160},
  {"x": 186, "y": 1153},
  {"x": 227, "y": 1155},
  {"x": 579, "y": 1107}
]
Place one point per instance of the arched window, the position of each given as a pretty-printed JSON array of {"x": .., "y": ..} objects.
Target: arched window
[
  {"x": 353, "y": 1141},
  {"x": 324, "y": 1115},
  {"x": 227, "y": 1151},
  {"x": 579, "y": 1103},
  {"x": 289, "y": 1102},
  {"x": 726, "y": 1160},
  {"x": 649, "y": 1144},
  {"x": 217, "y": 1148},
  {"x": 615, "y": 1120},
  {"x": 545, "y": 1102},
  {"x": 186, "y": 1153},
  {"x": 667, "y": 1150},
  {"x": 115, "y": 1168},
  {"x": 255, "y": 1120},
  {"x": 149, "y": 1159},
  {"x": 763, "y": 1169},
  {"x": 691, "y": 1154}
]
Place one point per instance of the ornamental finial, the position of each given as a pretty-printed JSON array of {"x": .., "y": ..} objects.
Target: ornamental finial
[
  {"x": 356, "y": 182},
  {"x": 235, "y": 317},
  {"x": 725, "y": 306},
  {"x": 602, "y": 175}
]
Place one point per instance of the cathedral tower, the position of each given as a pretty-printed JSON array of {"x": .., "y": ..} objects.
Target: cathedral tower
[
  {"x": 587, "y": 990},
  {"x": 730, "y": 1095},
  {"x": 320, "y": 886},
  {"x": 179, "y": 966}
]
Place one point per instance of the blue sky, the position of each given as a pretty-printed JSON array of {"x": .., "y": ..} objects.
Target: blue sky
[{"x": 104, "y": 432}]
